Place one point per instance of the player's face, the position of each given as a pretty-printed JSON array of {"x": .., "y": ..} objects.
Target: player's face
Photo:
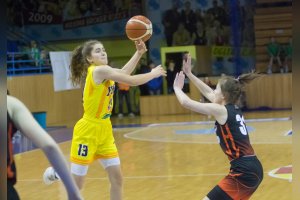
[
  {"x": 98, "y": 55},
  {"x": 219, "y": 97}
]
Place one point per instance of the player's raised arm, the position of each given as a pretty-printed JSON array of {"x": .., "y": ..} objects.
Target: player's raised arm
[
  {"x": 132, "y": 63},
  {"x": 106, "y": 72},
  {"x": 202, "y": 87},
  {"x": 214, "y": 109},
  {"x": 25, "y": 122}
]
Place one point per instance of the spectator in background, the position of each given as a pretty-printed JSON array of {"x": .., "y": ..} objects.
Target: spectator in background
[
  {"x": 209, "y": 83},
  {"x": 44, "y": 56},
  {"x": 218, "y": 13},
  {"x": 288, "y": 53},
  {"x": 143, "y": 68},
  {"x": 208, "y": 19},
  {"x": 273, "y": 49},
  {"x": 219, "y": 37},
  {"x": 181, "y": 37},
  {"x": 199, "y": 36},
  {"x": 135, "y": 7},
  {"x": 85, "y": 8},
  {"x": 34, "y": 52},
  {"x": 141, "y": 90},
  {"x": 170, "y": 22},
  {"x": 215, "y": 34},
  {"x": 123, "y": 92},
  {"x": 154, "y": 85},
  {"x": 170, "y": 76},
  {"x": 188, "y": 17},
  {"x": 71, "y": 10},
  {"x": 31, "y": 5},
  {"x": 199, "y": 15}
]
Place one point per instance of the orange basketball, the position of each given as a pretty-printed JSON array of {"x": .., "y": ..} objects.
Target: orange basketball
[{"x": 139, "y": 27}]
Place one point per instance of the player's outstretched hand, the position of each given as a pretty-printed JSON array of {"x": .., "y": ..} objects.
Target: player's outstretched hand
[
  {"x": 186, "y": 65},
  {"x": 158, "y": 71},
  {"x": 140, "y": 46},
  {"x": 179, "y": 81}
]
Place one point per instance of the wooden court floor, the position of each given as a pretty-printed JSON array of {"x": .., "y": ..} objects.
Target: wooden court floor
[{"x": 172, "y": 158}]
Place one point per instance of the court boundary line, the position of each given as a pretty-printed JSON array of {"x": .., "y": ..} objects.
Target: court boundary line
[
  {"x": 145, "y": 177},
  {"x": 129, "y": 135}
]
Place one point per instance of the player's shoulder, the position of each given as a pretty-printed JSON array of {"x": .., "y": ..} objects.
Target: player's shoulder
[{"x": 103, "y": 68}]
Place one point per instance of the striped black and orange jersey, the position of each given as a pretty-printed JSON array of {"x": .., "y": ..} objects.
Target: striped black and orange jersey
[
  {"x": 11, "y": 168},
  {"x": 233, "y": 135},
  {"x": 97, "y": 99}
]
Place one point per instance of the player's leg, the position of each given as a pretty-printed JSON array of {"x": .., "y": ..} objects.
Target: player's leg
[
  {"x": 107, "y": 155},
  {"x": 245, "y": 176},
  {"x": 79, "y": 172},
  {"x": 217, "y": 193},
  {"x": 113, "y": 169},
  {"x": 83, "y": 149}
]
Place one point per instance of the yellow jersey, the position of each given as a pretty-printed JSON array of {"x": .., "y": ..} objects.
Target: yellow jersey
[{"x": 97, "y": 99}]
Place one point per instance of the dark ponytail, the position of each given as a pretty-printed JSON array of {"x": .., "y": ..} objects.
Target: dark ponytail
[
  {"x": 79, "y": 62},
  {"x": 232, "y": 87},
  {"x": 247, "y": 78}
]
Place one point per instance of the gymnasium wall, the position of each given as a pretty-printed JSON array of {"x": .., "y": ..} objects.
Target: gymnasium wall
[
  {"x": 118, "y": 51},
  {"x": 273, "y": 91},
  {"x": 37, "y": 93}
]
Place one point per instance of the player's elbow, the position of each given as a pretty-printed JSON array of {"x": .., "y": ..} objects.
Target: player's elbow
[
  {"x": 49, "y": 146},
  {"x": 133, "y": 82},
  {"x": 185, "y": 103}
]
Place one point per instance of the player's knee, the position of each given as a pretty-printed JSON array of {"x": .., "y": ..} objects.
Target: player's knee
[
  {"x": 115, "y": 176},
  {"x": 79, "y": 172},
  {"x": 79, "y": 182},
  {"x": 116, "y": 179}
]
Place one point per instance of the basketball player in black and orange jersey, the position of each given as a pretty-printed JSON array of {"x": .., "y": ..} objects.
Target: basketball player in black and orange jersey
[
  {"x": 20, "y": 118},
  {"x": 246, "y": 172},
  {"x": 93, "y": 137}
]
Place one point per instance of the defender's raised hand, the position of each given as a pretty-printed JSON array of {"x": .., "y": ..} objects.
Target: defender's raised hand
[
  {"x": 179, "y": 81},
  {"x": 186, "y": 65}
]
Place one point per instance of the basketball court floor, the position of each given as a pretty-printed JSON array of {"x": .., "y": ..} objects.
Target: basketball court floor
[{"x": 168, "y": 158}]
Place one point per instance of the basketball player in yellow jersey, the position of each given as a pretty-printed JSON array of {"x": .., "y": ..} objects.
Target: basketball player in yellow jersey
[{"x": 93, "y": 138}]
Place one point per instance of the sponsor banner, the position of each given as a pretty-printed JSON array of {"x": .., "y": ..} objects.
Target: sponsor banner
[
  {"x": 223, "y": 60},
  {"x": 97, "y": 19},
  {"x": 225, "y": 51}
]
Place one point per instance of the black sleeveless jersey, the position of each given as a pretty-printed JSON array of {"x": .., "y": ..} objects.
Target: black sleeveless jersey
[
  {"x": 233, "y": 135},
  {"x": 11, "y": 168}
]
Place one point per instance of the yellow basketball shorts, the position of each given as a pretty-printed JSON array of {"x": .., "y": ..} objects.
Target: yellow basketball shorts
[{"x": 92, "y": 140}]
